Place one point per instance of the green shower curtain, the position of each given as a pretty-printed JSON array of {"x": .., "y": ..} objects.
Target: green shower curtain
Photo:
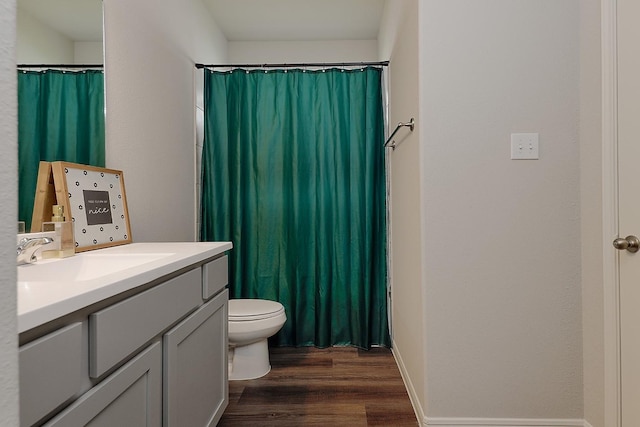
[
  {"x": 293, "y": 175},
  {"x": 60, "y": 117}
]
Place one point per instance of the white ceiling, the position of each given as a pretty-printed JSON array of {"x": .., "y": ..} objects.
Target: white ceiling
[
  {"x": 271, "y": 20},
  {"x": 265, "y": 20}
]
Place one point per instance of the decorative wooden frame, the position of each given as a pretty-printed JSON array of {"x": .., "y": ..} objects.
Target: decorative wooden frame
[{"x": 94, "y": 199}]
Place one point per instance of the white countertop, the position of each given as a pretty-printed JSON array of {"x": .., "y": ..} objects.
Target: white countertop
[{"x": 129, "y": 266}]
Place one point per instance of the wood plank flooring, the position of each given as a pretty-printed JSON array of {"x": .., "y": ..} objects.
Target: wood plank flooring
[{"x": 338, "y": 386}]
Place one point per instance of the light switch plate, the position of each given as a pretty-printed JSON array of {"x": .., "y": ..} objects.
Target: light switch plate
[{"x": 524, "y": 146}]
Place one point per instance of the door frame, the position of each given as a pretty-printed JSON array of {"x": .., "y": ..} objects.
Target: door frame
[{"x": 611, "y": 280}]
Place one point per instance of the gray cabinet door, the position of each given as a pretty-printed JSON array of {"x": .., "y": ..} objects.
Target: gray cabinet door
[
  {"x": 196, "y": 390},
  {"x": 50, "y": 372},
  {"x": 131, "y": 396}
]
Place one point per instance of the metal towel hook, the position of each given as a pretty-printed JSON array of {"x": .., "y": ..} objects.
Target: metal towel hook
[{"x": 410, "y": 124}]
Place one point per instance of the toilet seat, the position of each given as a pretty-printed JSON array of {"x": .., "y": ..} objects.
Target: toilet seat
[{"x": 242, "y": 310}]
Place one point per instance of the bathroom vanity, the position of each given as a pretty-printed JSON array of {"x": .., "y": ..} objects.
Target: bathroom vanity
[{"x": 133, "y": 335}]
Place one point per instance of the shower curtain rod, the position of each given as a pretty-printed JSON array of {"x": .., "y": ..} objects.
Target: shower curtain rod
[
  {"x": 60, "y": 66},
  {"x": 304, "y": 64}
]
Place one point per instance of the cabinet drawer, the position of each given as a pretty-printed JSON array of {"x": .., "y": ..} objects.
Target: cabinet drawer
[
  {"x": 119, "y": 330},
  {"x": 214, "y": 277},
  {"x": 50, "y": 372}
]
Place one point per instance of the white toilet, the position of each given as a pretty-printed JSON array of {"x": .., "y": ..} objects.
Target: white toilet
[{"x": 251, "y": 322}]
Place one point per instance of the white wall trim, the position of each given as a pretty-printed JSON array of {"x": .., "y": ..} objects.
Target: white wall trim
[
  {"x": 504, "y": 422},
  {"x": 586, "y": 424},
  {"x": 413, "y": 397},
  {"x": 610, "y": 215}
]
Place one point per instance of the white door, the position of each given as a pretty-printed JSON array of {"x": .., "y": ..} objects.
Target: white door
[{"x": 628, "y": 16}]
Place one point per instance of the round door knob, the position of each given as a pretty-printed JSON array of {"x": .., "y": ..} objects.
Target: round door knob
[{"x": 630, "y": 243}]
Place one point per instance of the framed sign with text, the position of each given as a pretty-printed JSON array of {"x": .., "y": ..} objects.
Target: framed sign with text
[{"x": 94, "y": 200}]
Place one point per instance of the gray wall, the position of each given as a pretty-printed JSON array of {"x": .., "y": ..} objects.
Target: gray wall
[
  {"x": 150, "y": 50},
  {"x": 399, "y": 41},
  {"x": 501, "y": 255},
  {"x": 500, "y": 260},
  {"x": 8, "y": 215},
  {"x": 264, "y": 52}
]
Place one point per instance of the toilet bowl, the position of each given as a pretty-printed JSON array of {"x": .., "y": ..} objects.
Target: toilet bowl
[{"x": 251, "y": 323}]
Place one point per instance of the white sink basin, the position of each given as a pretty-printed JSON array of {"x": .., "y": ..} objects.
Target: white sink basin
[{"x": 83, "y": 267}]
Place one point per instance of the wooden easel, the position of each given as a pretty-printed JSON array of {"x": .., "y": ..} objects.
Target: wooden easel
[
  {"x": 51, "y": 189},
  {"x": 45, "y": 197}
]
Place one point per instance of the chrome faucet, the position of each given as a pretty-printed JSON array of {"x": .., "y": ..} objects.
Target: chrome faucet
[{"x": 27, "y": 248}]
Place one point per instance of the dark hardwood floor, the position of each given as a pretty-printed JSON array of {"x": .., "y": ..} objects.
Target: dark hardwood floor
[{"x": 338, "y": 386}]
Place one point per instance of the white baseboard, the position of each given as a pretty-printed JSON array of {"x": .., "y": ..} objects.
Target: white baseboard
[
  {"x": 504, "y": 422},
  {"x": 415, "y": 402},
  {"x": 473, "y": 422}
]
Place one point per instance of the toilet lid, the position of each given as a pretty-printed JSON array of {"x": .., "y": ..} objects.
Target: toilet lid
[{"x": 253, "y": 309}]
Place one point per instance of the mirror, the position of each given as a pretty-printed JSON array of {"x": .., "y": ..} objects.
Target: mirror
[{"x": 58, "y": 34}]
